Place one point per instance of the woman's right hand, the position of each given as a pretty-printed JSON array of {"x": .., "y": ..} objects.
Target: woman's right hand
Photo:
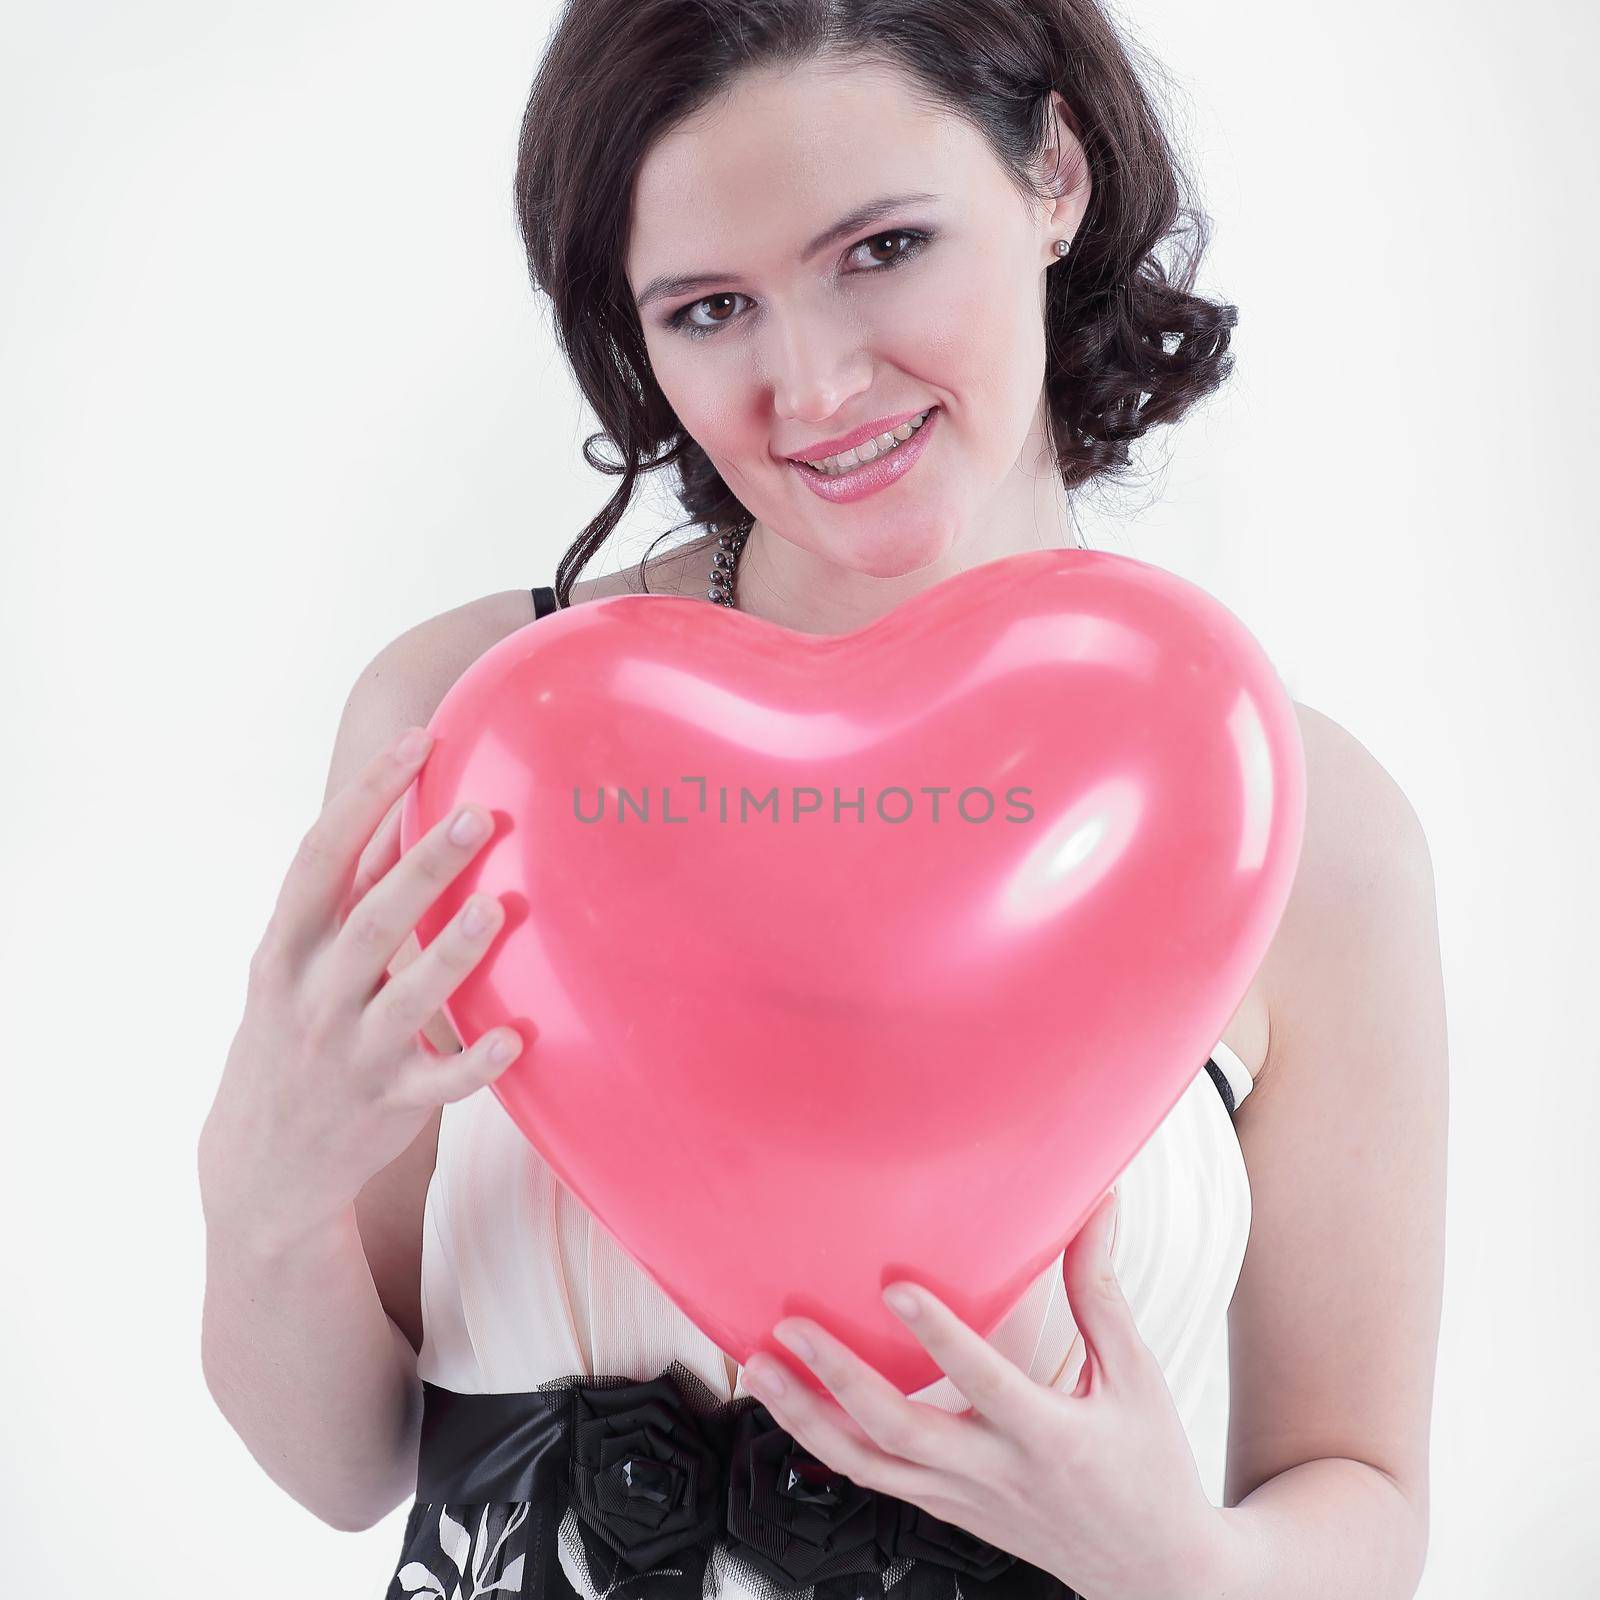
[{"x": 327, "y": 1080}]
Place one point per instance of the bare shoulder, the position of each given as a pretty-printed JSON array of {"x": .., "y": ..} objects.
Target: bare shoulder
[
  {"x": 414, "y": 671},
  {"x": 406, "y": 680},
  {"x": 1364, "y": 868},
  {"x": 1350, "y": 795}
]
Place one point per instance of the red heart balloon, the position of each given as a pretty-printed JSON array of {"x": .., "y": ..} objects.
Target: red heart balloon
[{"x": 878, "y": 955}]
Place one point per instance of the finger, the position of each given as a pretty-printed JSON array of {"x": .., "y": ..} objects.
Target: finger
[
  {"x": 1094, "y": 1296},
  {"x": 438, "y": 1034},
  {"x": 316, "y": 885},
  {"x": 376, "y": 860},
  {"x": 389, "y": 911},
  {"x": 836, "y": 1438},
  {"x": 909, "y": 1430},
  {"x": 396, "y": 1013},
  {"x": 435, "y": 1078},
  {"x": 995, "y": 1387}
]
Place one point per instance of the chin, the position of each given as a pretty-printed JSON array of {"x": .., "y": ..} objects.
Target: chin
[{"x": 898, "y": 556}]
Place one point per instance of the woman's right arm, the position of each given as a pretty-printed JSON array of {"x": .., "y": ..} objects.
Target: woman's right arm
[
  {"x": 325, "y": 1085},
  {"x": 305, "y": 1364}
]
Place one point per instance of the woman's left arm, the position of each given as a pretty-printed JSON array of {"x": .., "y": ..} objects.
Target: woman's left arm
[{"x": 1333, "y": 1330}]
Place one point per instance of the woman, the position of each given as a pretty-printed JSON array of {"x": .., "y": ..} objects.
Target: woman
[{"x": 767, "y": 232}]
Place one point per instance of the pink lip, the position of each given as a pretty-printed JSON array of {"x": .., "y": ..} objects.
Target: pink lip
[
  {"x": 848, "y": 441},
  {"x": 872, "y": 476}
]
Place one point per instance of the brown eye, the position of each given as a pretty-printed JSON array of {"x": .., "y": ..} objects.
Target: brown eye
[
  {"x": 682, "y": 319},
  {"x": 889, "y": 238}
]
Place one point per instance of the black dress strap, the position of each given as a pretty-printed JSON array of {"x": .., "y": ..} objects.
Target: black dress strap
[
  {"x": 544, "y": 601},
  {"x": 1224, "y": 1088}
]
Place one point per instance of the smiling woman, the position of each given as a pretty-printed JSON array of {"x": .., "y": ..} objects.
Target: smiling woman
[
  {"x": 774, "y": 231},
  {"x": 881, "y": 283}
]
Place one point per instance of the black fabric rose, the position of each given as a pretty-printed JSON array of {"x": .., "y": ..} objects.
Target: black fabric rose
[
  {"x": 644, "y": 1477},
  {"x": 908, "y": 1530},
  {"x": 795, "y": 1520}
]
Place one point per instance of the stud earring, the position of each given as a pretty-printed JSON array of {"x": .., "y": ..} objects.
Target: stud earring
[{"x": 1062, "y": 246}]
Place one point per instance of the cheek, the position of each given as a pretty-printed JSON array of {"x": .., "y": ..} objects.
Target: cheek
[
  {"x": 980, "y": 340},
  {"x": 977, "y": 311},
  {"x": 706, "y": 401}
]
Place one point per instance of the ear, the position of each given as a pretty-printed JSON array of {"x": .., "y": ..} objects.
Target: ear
[{"x": 1064, "y": 171}]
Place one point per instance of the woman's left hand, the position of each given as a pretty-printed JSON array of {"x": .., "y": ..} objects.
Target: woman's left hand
[{"x": 1098, "y": 1487}]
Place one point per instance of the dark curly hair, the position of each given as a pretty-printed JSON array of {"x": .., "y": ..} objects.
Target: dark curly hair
[{"x": 618, "y": 73}]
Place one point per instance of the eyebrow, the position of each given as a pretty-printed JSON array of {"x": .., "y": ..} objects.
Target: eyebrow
[{"x": 660, "y": 287}]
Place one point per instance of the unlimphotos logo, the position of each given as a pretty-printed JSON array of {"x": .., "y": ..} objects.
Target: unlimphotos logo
[{"x": 798, "y": 804}]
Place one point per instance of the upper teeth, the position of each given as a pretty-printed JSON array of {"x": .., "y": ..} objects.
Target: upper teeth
[{"x": 871, "y": 450}]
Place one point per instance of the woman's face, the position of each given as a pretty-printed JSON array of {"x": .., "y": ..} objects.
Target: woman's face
[{"x": 934, "y": 301}]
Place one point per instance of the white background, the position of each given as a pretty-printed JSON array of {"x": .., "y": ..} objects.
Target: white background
[{"x": 275, "y": 388}]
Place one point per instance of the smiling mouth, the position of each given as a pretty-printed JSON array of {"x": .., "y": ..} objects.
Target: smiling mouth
[{"x": 884, "y": 444}]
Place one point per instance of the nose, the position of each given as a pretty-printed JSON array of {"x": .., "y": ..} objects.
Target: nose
[{"x": 818, "y": 363}]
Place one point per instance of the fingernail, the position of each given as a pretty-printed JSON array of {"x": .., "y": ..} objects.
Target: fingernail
[
  {"x": 901, "y": 1303},
  {"x": 764, "y": 1378},
  {"x": 412, "y": 745},
  {"x": 795, "y": 1341},
  {"x": 467, "y": 827}
]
